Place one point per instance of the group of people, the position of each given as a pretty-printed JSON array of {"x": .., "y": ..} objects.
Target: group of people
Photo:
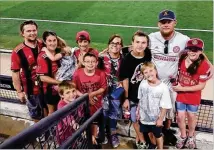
[{"x": 160, "y": 73}]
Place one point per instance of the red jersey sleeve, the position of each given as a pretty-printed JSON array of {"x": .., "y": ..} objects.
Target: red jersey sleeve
[
  {"x": 42, "y": 68},
  {"x": 203, "y": 71},
  {"x": 15, "y": 62},
  {"x": 75, "y": 77},
  {"x": 103, "y": 81},
  {"x": 96, "y": 53}
]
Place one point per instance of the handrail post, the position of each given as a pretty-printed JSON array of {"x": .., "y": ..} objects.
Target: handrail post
[{"x": 88, "y": 130}]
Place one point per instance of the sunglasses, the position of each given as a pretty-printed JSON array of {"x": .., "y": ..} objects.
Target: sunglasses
[{"x": 166, "y": 44}]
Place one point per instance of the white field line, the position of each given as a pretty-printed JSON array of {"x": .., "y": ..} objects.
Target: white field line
[
  {"x": 100, "y": 24},
  {"x": 6, "y": 51}
]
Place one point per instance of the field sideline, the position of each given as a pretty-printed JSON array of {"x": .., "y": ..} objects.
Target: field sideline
[
  {"x": 98, "y": 24},
  {"x": 103, "y": 19}
]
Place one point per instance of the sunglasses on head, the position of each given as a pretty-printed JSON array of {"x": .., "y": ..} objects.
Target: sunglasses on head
[{"x": 166, "y": 44}]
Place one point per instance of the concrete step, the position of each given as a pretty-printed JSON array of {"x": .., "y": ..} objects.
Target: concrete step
[{"x": 203, "y": 140}]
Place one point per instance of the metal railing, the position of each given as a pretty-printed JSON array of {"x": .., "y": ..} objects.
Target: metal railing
[{"x": 68, "y": 127}]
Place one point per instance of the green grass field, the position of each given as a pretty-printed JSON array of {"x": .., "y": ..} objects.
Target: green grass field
[{"x": 190, "y": 15}]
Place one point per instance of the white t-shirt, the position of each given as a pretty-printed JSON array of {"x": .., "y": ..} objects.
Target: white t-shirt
[
  {"x": 167, "y": 64},
  {"x": 151, "y": 100}
]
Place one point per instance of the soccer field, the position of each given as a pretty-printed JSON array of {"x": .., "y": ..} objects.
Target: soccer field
[{"x": 190, "y": 15}]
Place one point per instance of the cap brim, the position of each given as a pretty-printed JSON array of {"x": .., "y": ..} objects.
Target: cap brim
[
  {"x": 166, "y": 19},
  {"x": 194, "y": 47}
]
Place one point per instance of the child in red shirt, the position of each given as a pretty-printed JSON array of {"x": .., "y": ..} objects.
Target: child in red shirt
[
  {"x": 67, "y": 126},
  {"x": 92, "y": 81},
  {"x": 193, "y": 69},
  {"x": 83, "y": 40}
]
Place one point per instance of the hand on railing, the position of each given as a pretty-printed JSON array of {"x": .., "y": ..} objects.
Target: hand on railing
[{"x": 21, "y": 96}]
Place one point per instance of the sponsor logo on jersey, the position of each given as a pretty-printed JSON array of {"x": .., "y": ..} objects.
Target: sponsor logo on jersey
[
  {"x": 165, "y": 58},
  {"x": 176, "y": 49}
]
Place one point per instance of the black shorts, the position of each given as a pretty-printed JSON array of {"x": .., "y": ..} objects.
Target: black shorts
[
  {"x": 36, "y": 105},
  {"x": 157, "y": 131},
  {"x": 51, "y": 99}
]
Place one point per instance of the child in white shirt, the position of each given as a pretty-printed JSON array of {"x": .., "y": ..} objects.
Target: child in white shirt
[{"x": 154, "y": 100}]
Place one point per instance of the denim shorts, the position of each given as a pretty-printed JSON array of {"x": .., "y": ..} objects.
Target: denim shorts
[
  {"x": 157, "y": 131},
  {"x": 133, "y": 109},
  {"x": 186, "y": 107},
  {"x": 36, "y": 105}
]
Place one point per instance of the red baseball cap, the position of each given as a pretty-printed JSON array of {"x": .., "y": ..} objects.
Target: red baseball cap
[
  {"x": 195, "y": 43},
  {"x": 83, "y": 35}
]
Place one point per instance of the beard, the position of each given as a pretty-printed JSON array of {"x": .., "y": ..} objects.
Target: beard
[
  {"x": 167, "y": 34},
  {"x": 32, "y": 41}
]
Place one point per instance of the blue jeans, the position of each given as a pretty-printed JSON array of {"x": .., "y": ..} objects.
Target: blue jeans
[{"x": 112, "y": 113}]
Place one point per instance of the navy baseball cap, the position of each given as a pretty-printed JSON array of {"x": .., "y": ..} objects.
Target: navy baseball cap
[{"x": 167, "y": 15}]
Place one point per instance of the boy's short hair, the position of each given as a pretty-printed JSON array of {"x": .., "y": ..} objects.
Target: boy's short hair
[
  {"x": 148, "y": 64},
  {"x": 89, "y": 54},
  {"x": 27, "y": 23},
  {"x": 141, "y": 34},
  {"x": 64, "y": 85}
]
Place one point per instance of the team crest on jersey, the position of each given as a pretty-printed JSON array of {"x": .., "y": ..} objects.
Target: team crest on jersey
[{"x": 176, "y": 49}]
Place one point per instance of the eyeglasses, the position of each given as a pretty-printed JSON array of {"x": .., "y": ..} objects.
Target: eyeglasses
[
  {"x": 92, "y": 62},
  {"x": 166, "y": 44},
  {"x": 112, "y": 43}
]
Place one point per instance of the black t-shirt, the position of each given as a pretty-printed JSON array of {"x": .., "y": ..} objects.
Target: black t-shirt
[{"x": 131, "y": 68}]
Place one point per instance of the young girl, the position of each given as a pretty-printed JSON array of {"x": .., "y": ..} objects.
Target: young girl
[
  {"x": 154, "y": 100},
  {"x": 67, "y": 60},
  {"x": 192, "y": 79}
]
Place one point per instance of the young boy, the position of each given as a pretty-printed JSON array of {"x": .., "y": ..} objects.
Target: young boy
[
  {"x": 154, "y": 100},
  {"x": 83, "y": 40},
  {"x": 92, "y": 81},
  {"x": 66, "y": 127}
]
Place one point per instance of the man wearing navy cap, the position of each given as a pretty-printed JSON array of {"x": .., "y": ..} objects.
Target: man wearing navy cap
[{"x": 166, "y": 47}]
